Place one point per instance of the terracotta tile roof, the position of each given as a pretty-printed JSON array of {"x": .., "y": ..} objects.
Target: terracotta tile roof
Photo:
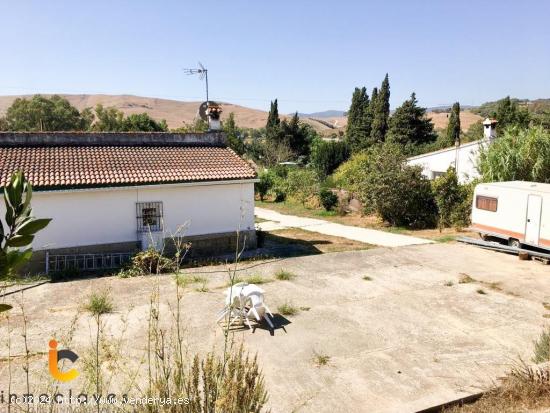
[{"x": 59, "y": 167}]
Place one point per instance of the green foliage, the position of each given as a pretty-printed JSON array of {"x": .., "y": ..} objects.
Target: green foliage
[
  {"x": 233, "y": 134},
  {"x": 273, "y": 121},
  {"x": 198, "y": 126},
  {"x": 297, "y": 135},
  {"x": 507, "y": 112},
  {"x": 329, "y": 199},
  {"x": 111, "y": 119},
  {"x": 265, "y": 184},
  {"x": 20, "y": 226},
  {"x": 99, "y": 303},
  {"x": 284, "y": 275},
  {"x": 452, "y": 199},
  {"x": 45, "y": 114},
  {"x": 409, "y": 126},
  {"x": 381, "y": 112},
  {"x": 142, "y": 122},
  {"x": 152, "y": 262},
  {"x": 288, "y": 309},
  {"x": 398, "y": 193},
  {"x": 542, "y": 347},
  {"x": 474, "y": 132},
  {"x": 359, "y": 120},
  {"x": 453, "y": 128},
  {"x": 302, "y": 184},
  {"x": 326, "y": 156},
  {"x": 520, "y": 154}
]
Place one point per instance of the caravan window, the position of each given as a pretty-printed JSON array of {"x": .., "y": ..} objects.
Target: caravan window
[{"x": 486, "y": 203}]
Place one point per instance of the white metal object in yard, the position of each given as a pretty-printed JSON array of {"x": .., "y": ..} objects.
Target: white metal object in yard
[
  {"x": 517, "y": 212},
  {"x": 254, "y": 300}
]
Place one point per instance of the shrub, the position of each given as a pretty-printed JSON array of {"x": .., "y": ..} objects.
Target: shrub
[
  {"x": 152, "y": 262},
  {"x": 284, "y": 275},
  {"x": 302, "y": 184},
  {"x": 448, "y": 195},
  {"x": 264, "y": 185},
  {"x": 328, "y": 199},
  {"x": 326, "y": 156},
  {"x": 542, "y": 347},
  {"x": 385, "y": 185},
  {"x": 287, "y": 309},
  {"x": 520, "y": 154}
]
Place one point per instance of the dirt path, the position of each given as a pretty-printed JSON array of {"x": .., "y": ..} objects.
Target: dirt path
[{"x": 276, "y": 220}]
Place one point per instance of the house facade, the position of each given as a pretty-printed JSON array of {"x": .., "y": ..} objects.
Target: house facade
[
  {"x": 112, "y": 194},
  {"x": 461, "y": 157}
]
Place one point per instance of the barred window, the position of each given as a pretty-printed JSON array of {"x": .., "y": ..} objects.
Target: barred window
[
  {"x": 486, "y": 203},
  {"x": 149, "y": 216}
]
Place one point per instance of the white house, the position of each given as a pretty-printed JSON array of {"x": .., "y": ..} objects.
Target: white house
[
  {"x": 111, "y": 194},
  {"x": 463, "y": 157}
]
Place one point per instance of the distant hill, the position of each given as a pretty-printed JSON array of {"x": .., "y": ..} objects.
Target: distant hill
[
  {"x": 175, "y": 112},
  {"x": 323, "y": 114}
]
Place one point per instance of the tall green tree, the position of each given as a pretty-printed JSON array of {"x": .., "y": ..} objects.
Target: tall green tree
[
  {"x": 297, "y": 135},
  {"x": 108, "y": 119},
  {"x": 409, "y": 125},
  {"x": 453, "y": 128},
  {"x": 508, "y": 113},
  {"x": 233, "y": 134},
  {"x": 359, "y": 120},
  {"x": 45, "y": 114},
  {"x": 273, "y": 121},
  {"x": 381, "y": 112}
]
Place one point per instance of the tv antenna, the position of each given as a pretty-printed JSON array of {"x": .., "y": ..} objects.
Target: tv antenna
[{"x": 203, "y": 74}]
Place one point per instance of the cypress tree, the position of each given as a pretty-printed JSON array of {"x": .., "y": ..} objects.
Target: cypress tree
[
  {"x": 359, "y": 120},
  {"x": 453, "y": 128},
  {"x": 381, "y": 112},
  {"x": 273, "y": 121}
]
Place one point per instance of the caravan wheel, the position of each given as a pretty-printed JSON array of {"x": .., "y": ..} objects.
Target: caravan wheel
[{"x": 514, "y": 243}]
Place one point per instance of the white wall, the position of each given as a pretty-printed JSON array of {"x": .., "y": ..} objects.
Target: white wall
[
  {"x": 439, "y": 161},
  {"x": 108, "y": 215}
]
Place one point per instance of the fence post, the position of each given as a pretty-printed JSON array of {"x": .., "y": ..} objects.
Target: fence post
[{"x": 47, "y": 262}]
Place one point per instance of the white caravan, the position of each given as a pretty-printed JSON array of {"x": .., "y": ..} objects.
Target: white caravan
[{"x": 517, "y": 212}]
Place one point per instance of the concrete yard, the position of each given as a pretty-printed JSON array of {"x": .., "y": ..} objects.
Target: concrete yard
[{"x": 408, "y": 338}]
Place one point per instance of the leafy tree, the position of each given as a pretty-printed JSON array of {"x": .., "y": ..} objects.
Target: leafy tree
[
  {"x": 108, "y": 119},
  {"x": 198, "y": 126},
  {"x": 302, "y": 184},
  {"x": 453, "y": 128},
  {"x": 474, "y": 132},
  {"x": 520, "y": 154},
  {"x": 409, "y": 125},
  {"x": 381, "y": 112},
  {"x": 297, "y": 135},
  {"x": 234, "y": 134},
  {"x": 45, "y": 114},
  {"x": 326, "y": 156},
  {"x": 359, "y": 120},
  {"x": 508, "y": 113},
  {"x": 142, "y": 122},
  {"x": 328, "y": 199},
  {"x": 20, "y": 226},
  {"x": 264, "y": 185},
  {"x": 383, "y": 182}
]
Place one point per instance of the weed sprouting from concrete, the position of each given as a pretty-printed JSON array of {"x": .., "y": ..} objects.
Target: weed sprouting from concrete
[
  {"x": 320, "y": 359},
  {"x": 284, "y": 275},
  {"x": 367, "y": 278},
  {"x": 287, "y": 309},
  {"x": 465, "y": 279},
  {"x": 481, "y": 291},
  {"x": 448, "y": 283}
]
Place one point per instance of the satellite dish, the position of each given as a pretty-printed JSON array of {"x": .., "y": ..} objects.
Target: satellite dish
[{"x": 202, "y": 111}]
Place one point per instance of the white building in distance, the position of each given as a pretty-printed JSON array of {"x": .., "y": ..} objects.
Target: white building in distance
[{"x": 463, "y": 157}]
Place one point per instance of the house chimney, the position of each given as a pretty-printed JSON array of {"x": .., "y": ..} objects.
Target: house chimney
[
  {"x": 213, "y": 111},
  {"x": 489, "y": 129}
]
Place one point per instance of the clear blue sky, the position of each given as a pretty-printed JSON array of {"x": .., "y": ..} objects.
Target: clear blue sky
[{"x": 309, "y": 54}]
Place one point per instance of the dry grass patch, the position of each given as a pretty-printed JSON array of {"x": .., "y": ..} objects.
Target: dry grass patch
[
  {"x": 320, "y": 359},
  {"x": 465, "y": 279},
  {"x": 284, "y": 275},
  {"x": 313, "y": 242},
  {"x": 257, "y": 279},
  {"x": 287, "y": 309}
]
